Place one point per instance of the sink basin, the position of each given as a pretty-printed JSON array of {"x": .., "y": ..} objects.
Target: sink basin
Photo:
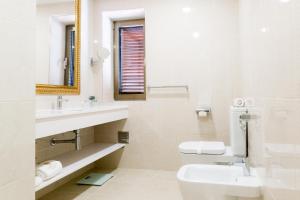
[
  {"x": 49, "y": 112},
  {"x": 217, "y": 182},
  {"x": 53, "y": 113},
  {"x": 60, "y": 111},
  {"x": 51, "y": 122}
]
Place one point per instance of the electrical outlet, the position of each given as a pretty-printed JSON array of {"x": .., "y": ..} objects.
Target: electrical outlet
[{"x": 123, "y": 137}]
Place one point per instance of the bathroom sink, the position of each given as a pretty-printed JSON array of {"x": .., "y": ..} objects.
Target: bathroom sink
[
  {"x": 51, "y": 112},
  {"x": 52, "y": 122},
  {"x": 220, "y": 182}
]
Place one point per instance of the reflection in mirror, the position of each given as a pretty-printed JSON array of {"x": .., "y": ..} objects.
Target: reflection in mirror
[
  {"x": 56, "y": 44},
  {"x": 62, "y": 44}
]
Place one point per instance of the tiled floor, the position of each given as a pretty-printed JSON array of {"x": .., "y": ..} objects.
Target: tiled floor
[{"x": 127, "y": 184}]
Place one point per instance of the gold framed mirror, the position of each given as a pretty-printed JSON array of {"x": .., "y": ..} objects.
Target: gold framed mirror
[{"x": 58, "y": 47}]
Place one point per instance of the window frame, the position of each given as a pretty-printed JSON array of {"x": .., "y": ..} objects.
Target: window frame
[{"x": 117, "y": 95}]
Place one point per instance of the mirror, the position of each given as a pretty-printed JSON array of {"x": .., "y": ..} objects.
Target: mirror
[{"x": 58, "y": 46}]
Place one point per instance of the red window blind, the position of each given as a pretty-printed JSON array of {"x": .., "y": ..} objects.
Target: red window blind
[{"x": 131, "y": 60}]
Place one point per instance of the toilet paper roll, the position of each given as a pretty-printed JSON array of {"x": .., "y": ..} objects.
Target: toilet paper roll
[{"x": 202, "y": 114}]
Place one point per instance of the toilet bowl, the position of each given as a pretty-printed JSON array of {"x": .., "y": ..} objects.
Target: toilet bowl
[{"x": 217, "y": 182}]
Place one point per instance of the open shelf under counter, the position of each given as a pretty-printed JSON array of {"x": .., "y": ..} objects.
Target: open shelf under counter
[
  {"x": 52, "y": 122},
  {"x": 76, "y": 160}
]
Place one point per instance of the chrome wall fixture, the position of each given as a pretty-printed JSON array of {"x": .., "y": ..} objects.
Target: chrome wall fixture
[
  {"x": 186, "y": 87},
  {"x": 75, "y": 140}
]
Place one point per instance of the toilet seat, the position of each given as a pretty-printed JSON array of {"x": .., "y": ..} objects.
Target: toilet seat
[
  {"x": 206, "y": 152},
  {"x": 201, "y": 147}
]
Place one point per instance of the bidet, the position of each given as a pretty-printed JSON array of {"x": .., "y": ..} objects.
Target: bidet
[{"x": 217, "y": 182}]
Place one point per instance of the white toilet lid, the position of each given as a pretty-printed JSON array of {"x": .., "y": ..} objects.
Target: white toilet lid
[{"x": 200, "y": 147}]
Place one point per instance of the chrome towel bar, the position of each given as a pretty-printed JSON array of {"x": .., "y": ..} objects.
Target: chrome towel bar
[{"x": 186, "y": 87}]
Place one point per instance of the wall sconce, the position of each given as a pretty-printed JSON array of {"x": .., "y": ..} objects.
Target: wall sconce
[{"x": 100, "y": 54}]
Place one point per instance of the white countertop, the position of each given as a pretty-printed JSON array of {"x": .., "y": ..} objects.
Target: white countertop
[
  {"x": 51, "y": 122},
  {"x": 50, "y": 113}
]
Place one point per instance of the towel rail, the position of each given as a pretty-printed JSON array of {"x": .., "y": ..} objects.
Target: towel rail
[{"x": 169, "y": 86}]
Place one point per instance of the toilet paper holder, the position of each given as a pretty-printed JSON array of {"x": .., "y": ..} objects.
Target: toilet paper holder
[{"x": 201, "y": 109}]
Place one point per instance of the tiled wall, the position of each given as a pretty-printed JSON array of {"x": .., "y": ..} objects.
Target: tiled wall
[
  {"x": 208, "y": 64},
  {"x": 270, "y": 44},
  {"x": 17, "y": 99}
]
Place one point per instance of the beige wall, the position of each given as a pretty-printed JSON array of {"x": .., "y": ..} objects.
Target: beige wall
[
  {"x": 17, "y": 99},
  {"x": 270, "y": 41},
  {"x": 208, "y": 64}
]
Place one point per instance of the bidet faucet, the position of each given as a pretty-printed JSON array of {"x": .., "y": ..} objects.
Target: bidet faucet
[
  {"x": 245, "y": 165},
  {"x": 59, "y": 102}
]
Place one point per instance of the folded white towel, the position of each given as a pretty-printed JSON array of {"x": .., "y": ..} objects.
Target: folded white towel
[
  {"x": 38, "y": 181},
  {"x": 49, "y": 169}
]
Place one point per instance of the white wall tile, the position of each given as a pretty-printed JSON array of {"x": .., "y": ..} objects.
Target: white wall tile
[
  {"x": 270, "y": 65},
  {"x": 17, "y": 99},
  {"x": 209, "y": 65}
]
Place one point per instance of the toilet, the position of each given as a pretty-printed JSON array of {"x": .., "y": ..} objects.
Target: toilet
[
  {"x": 213, "y": 171},
  {"x": 215, "y": 152}
]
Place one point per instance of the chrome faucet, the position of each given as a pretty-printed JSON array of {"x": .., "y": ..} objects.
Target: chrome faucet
[
  {"x": 246, "y": 167},
  {"x": 75, "y": 140},
  {"x": 59, "y": 102}
]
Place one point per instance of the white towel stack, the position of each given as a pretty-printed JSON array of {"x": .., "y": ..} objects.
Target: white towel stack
[
  {"x": 48, "y": 169},
  {"x": 38, "y": 181}
]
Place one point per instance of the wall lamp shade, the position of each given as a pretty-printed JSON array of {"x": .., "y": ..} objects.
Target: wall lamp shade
[{"x": 101, "y": 54}]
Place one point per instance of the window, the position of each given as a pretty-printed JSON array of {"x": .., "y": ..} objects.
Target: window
[
  {"x": 129, "y": 59},
  {"x": 69, "y": 56}
]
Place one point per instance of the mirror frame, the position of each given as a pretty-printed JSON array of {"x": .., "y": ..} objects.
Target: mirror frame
[{"x": 61, "y": 89}]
